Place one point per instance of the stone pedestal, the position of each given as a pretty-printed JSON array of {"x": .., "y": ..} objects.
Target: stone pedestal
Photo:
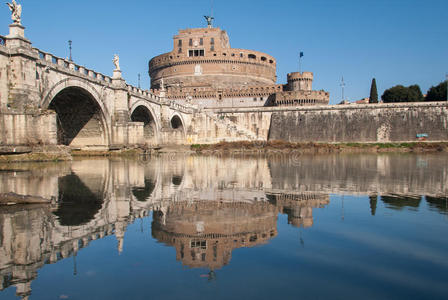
[
  {"x": 16, "y": 37},
  {"x": 117, "y": 80},
  {"x": 16, "y": 30},
  {"x": 117, "y": 74}
]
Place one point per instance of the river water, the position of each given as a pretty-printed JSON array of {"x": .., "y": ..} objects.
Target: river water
[{"x": 228, "y": 227}]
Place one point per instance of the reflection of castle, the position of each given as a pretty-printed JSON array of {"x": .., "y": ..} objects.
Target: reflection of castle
[
  {"x": 299, "y": 208},
  {"x": 205, "y": 233}
]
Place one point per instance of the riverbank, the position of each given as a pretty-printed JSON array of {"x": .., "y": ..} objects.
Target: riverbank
[
  {"x": 317, "y": 148},
  {"x": 38, "y": 154},
  {"x": 64, "y": 153}
]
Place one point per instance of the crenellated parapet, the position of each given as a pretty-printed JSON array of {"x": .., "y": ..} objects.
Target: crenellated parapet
[{"x": 300, "y": 81}]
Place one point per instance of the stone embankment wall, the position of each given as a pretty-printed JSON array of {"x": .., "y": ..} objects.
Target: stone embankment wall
[
  {"x": 28, "y": 129},
  {"x": 362, "y": 123}
]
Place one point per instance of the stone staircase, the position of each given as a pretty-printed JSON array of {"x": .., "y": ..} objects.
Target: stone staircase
[{"x": 234, "y": 131}]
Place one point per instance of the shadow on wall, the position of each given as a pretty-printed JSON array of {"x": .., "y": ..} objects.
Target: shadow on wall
[{"x": 78, "y": 116}]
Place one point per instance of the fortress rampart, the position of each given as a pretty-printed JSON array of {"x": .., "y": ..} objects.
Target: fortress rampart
[
  {"x": 226, "y": 70},
  {"x": 362, "y": 123}
]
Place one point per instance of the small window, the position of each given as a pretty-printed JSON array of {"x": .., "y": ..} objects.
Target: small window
[
  {"x": 180, "y": 50},
  {"x": 201, "y": 52},
  {"x": 263, "y": 58},
  {"x": 212, "y": 48},
  {"x": 233, "y": 54},
  {"x": 271, "y": 61},
  {"x": 198, "y": 244},
  {"x": 201, "y": 41},
  {"x": 190, "y": 42},
  {"x": 224, "y": 54},
  {"x": 241, "y": 55},
  {"x": 255, "y": 98},
  {"x": 179, "y": 43},
  {"x": 252, "y": 56},
  {"x": 190, "y": 53},
  {"x": 212, "y": 41}
]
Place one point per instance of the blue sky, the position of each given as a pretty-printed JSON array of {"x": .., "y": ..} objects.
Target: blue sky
[{"x": 395, "y": 41}]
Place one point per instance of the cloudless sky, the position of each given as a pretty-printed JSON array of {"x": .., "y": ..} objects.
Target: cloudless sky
[{"x": 396, "y": 41}]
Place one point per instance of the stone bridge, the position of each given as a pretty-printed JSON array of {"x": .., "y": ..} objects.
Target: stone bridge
[{"x": 45, "y": 99}]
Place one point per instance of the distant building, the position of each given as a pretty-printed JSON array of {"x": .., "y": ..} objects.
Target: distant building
[
  {"x": 203, "y": 69},
  {"x": 363, "y": 101}
]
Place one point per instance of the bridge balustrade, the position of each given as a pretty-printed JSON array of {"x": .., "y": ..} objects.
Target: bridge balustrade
[{"x": 50, "y": 58}]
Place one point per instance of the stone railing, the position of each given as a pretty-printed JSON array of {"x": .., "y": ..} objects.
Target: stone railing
[
  {"x": 63, "y": 63},
  {"x": 142, "y": 93},
  {"x": 189, "y": 109}
]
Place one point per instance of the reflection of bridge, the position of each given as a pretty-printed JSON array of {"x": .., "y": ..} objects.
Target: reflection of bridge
[{"x": 98, "y": 198}]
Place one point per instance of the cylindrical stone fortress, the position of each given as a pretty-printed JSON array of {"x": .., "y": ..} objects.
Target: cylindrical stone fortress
[{"x": 203, "y": 58}]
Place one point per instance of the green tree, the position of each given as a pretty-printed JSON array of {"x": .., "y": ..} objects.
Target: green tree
[
  {"x": 400, "y": 93},
  {"x": 414, "y": 93},
  {"x": 437, "y": 93},
  {"x": 373, "y": 92}
]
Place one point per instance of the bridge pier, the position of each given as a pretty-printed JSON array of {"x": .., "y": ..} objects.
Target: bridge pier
[
  {"x": 124, "y": 133},
  {"x": 22, "y": 94}
]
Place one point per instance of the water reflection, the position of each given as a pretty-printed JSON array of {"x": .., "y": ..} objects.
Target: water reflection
[
  {"x": 439, "y": 204},
  {"x": 204, "y": 233},
  {"x": 77, "y": 203},
  {"x": 204, "y": 207}
]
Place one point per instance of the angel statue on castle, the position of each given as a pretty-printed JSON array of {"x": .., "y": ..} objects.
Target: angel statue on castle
[{"x": 16, "y": 11}]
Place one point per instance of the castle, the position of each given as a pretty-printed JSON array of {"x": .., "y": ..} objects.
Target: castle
[{"x": 203, "y": 69}]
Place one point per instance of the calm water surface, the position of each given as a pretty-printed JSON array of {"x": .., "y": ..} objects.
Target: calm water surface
[{"x": 195, "y": 227}]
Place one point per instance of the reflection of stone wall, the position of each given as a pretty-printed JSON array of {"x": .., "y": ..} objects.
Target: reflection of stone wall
[
  {"x": 205, "y": 233},
  {"x": 423, "y": 174}
]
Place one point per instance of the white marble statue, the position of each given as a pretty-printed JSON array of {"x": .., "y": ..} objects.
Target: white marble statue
[
  {"x": 16, "y": 11},
  {"x": 116, "y": 61}
]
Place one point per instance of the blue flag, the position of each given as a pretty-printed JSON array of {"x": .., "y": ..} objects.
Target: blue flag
[{"x": 301, "y": 54}]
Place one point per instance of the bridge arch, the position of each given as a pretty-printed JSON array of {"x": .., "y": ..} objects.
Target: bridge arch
[
  {"x": 141, "y": 111},
  {"x": 177, "y": 133},
  {"x": 81, "y": 115}
]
